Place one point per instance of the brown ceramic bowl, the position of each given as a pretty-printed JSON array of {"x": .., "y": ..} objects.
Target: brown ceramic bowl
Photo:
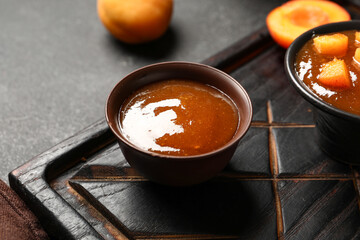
[{"x": 178, "y": 170}]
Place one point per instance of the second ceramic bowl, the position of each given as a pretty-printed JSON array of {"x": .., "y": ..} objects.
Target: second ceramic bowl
[{"x": 338, "y": 131}]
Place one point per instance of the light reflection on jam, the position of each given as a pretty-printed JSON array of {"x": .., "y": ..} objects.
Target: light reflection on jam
[
  {"x": 145, "y": 130},
  {"x": 321, "y": 91},
  {"x": 305, "y": 68},
  {"x": 179, "y": 117}
]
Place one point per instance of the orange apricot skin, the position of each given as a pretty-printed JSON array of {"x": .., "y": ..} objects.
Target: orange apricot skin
[
  {"x": 288, "y": 21},
  {"x": 135, "y": 21},
  {"x": 335, "y": 74},
  {"x": 335, "y": 44}
]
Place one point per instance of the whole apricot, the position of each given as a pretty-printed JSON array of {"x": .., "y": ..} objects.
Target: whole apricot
[{"x": 135, "y": 21}]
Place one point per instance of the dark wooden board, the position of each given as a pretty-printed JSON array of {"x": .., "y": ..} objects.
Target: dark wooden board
[{"x": 278, "y": 185}]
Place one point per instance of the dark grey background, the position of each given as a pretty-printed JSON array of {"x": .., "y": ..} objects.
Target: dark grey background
[{"x": 58, "y": 63}]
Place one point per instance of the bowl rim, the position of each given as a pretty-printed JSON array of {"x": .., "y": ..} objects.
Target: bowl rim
[
  {"x": 231, "y": 142},
  {"x": 299, "y": 85}
]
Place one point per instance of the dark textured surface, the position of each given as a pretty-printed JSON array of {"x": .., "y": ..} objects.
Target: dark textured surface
[
  {"x": 58, "y": 63},
  {"x": 249, "y": 160},
  {"x": 215, "y": 208},
  {"x": 266, "y": 84},
  {"x": 278, "y": 185},
  {"x": 320, "y": 209},
  {"x": 298, "y": 153}
]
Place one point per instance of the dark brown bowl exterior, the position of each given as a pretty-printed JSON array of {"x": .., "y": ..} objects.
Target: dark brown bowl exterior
[
  {"x": 178, "y": 170},
  {"x": 338, "y": 132}
]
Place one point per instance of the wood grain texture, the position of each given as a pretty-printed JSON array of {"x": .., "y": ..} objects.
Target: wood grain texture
[
  {"x": 31, "y": 182},
  {"x": 216, "y": 208},
  {"x": 324, "y": 209}
]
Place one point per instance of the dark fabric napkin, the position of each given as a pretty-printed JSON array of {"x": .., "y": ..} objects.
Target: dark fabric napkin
[{"x": 16, "y": 220}]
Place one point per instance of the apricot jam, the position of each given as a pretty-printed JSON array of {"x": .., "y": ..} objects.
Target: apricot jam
[
  {"x": 310, "y": 63},
  {"x": 179, "y": 117}
]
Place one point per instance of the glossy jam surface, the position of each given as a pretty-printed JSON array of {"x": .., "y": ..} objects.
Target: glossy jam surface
[
  {"x": 308, "y": 67},
  {"x": 179, "y": 117}
]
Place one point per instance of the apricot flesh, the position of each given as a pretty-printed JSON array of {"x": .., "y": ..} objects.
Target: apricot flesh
[
  {"x": 335, "y": 74},
  {"x": 357, "y": 55},
  {"x": 335, "y": 44},
  {"x": 290, "y": 20},
  {"x": 135, "y": 21},
  {"x": 357, "y": 37}
]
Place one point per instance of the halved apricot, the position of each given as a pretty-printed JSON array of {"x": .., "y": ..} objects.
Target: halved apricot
[
  {"x": 333, "y": 44},
  {"x": 335, "y": 74},
  {"x": 288, "y": 21}
]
